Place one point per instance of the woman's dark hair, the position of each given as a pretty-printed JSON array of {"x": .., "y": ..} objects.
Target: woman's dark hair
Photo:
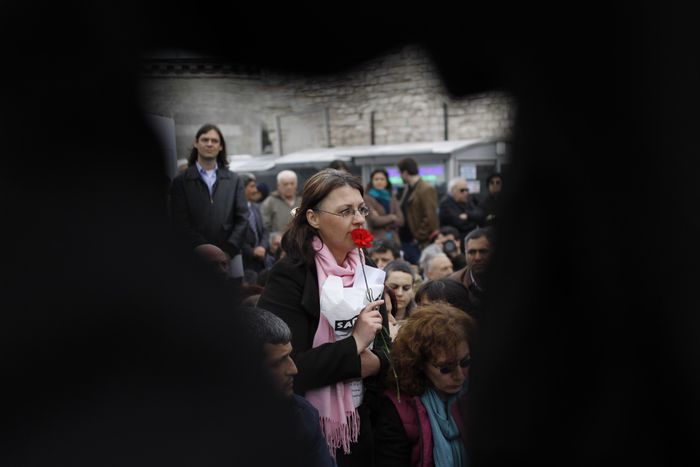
[
  {"x": 221, "y": 159},
  {"x": 400, "y": 265},
  {"x": 296, "y": 241},
  {"x": 446, "y": 290},
  {"x": 377, "y": 171},
  {"x": 339, "y": 165},
  {"x": 392, "y": 298}
]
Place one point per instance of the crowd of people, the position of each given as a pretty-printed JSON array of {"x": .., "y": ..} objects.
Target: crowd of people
[{"x": 373, "y": 342}]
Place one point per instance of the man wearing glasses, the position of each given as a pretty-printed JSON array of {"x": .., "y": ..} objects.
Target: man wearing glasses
[{"x": 459, "y": 210}]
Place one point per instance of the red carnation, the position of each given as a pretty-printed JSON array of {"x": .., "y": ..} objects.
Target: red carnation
[{"x": 362, "y": 238}]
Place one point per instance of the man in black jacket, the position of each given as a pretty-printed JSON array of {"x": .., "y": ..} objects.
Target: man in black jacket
[{"x": 207, "y": 204}]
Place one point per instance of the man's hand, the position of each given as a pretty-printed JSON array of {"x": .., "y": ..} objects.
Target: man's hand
[{"x": 259, "y": 252}]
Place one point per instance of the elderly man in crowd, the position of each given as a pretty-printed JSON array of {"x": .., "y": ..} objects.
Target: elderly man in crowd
[
  {"x": 276, "y": 209},
  {"x": 459, "y": 210}
]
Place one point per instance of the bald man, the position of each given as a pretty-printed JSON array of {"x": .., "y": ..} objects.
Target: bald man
[{"x": 214, "y": 257}]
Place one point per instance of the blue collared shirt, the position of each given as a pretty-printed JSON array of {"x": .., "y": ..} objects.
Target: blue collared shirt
[{"x": 209, "y": 176}]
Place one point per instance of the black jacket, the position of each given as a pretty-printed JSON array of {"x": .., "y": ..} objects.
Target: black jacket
[
  {"x": 451, "y": 209},
  {"x": 255, "y": 238},
  {"x": 220, "y": 219},
  {"x": 292, "y": 294}
]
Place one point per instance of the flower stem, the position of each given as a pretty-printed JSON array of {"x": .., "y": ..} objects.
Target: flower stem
[{"x": 384, "y": 330}]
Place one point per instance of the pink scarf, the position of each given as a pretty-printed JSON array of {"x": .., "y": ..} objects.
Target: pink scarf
[{"x": 340, "y": 422}]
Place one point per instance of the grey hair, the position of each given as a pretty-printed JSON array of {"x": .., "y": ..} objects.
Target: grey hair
[
  {"x": 247, "y": 178},
  {"x": 478, "y": 233},
  {"x": 451, "y": 184},
  {"x": 431, "y": 260},
  {"x": 266, "y": 327},
  {"x": 286, "y": 174}
]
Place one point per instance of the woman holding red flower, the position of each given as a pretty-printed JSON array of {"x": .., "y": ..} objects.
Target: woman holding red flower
[{"x": 341, "y": 358}]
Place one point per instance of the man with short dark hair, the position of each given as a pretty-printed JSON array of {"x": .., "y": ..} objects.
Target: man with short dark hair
[
  {"x": 419, "y": 205},
  {"x": 383, "y": 252},
  {"x": 275, "y": 337},
  {"x": 479, "y": 243}
]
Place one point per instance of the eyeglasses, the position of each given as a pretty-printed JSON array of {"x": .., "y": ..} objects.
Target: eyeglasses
[
  {"x": 349, "y": 212},
  {"x": 463, "y": 190},
  {"x": 447, "y": 369}
]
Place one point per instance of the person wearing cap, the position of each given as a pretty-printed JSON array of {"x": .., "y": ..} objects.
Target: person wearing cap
[{"x": 256, "y": 243}]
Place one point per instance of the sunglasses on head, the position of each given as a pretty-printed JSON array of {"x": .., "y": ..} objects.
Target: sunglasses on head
[{"x": 447, "y": 369}]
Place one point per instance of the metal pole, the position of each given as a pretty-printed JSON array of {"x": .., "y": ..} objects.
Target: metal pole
[
  {"x": 371, "y": 128},
  {"x": 328, "y": 127},
  {"x": 444, "y": 119},
  {"x": 278, "y": 122}
]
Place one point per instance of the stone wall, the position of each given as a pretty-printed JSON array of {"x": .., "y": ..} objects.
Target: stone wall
[{"x": 399, "y": 95}]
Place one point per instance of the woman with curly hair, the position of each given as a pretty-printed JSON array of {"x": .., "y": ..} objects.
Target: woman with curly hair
[{"x": 419, "y": 422}]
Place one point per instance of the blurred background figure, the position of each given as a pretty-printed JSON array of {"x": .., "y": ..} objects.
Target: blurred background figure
[
  {"x": 382, "y": 252},
  {"x": 339, "y": 165},
  {"x": 460, "y": 210},
  {"x": 385, "y": 216},
  {"x": 276, "y": 209},
  {"x": 445, "y": 290},
  {"x": 419, "y": 205},
  {"x": 490, "y": 204},
  {"x": 437, "y": 267},
  {"x": 256, "y": 243},
  {"x": 263, "y": 192}
]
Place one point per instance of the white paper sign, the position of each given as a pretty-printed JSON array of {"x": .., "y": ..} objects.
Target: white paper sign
[{"x": 341, "y": 306}]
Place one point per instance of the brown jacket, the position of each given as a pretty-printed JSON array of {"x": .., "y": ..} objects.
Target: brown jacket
[
  {"x": 379, "y": 221},
  {"x": 422, "y": 211}
]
